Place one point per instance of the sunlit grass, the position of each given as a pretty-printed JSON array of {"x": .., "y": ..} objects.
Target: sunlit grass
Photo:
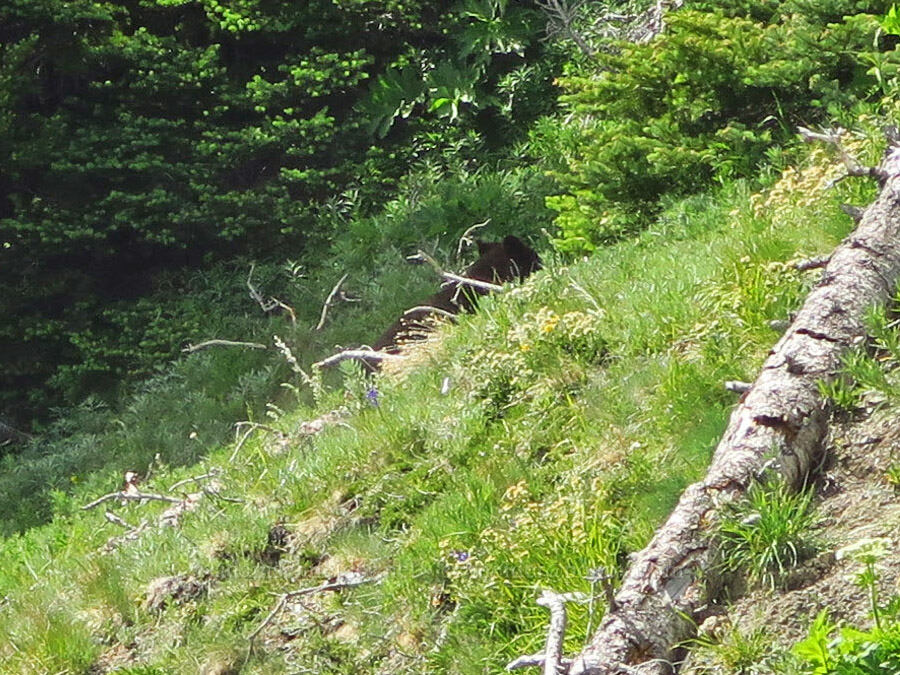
[{"x": 578, "y": 408}]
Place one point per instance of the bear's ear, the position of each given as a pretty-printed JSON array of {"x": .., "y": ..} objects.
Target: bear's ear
[{"x": 484, "y": 246}]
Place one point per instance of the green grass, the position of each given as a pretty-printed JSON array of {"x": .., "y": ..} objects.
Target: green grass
[
  {"x": 766, "y": 535},
  {"x": 580, "y": 406},
  {"x": 732, "y": 650}
]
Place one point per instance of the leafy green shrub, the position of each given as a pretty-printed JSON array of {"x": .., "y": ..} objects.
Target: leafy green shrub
[{"x": 832, "y": 649}]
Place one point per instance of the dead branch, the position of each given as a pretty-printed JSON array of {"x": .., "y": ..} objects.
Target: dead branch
[
  {"x": 535, "y": 660},
  {"x": 562, "y": 15},
  {"x": 431, "y": 310},
  {"x": 812, "y": 263},
  {"x": 329, "y": 301},
  {"x": 190, "y": 349},
  {"x": 286, "y": 308},
  {"x": 113, "y": 542},
  {"x": 270, "y": 304},
  {"x": 638, "y": 28},
  {"x": 172, "y": 514},
  {"x": 851, "y": 164},
  {"x": 855, "y": 212},
  {"x": 116, "y": 520},
  {"x": 132, "y": 497},
  {"x": 551, "y": 659},
  {"x": 288, "y": 355},
  {"x": 600, "y": 575},
  {"x": 10, "y": 435},
  {"x": 474, "y": 283},
  {"x": 420, "y": 256},
  {"x": 254, "y": 293},
  {"x": 212, "y": 473},
  {"x": 345, "y": 580},
  {"x": 466, "y": 239},
  {"x": 737, "y": 386},
  {"x": 363, "y": 354},
  {"x": 557, "y": 631}
]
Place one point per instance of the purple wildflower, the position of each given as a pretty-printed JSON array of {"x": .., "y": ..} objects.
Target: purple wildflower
[
  {"x": 372, "y": 396},
  {"x": 460, "y": 556}
]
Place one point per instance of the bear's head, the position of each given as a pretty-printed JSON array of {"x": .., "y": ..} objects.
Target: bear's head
[{"x": 507, "y": 260}]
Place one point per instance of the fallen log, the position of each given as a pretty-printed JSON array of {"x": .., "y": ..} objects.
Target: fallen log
[{"x": 776, "y": 430}]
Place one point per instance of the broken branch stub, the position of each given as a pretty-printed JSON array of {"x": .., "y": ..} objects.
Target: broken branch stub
[{"x": 778, "y": 428}]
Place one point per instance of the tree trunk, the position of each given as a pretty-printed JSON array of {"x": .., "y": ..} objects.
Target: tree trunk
[{"x": 778, "y": 427}]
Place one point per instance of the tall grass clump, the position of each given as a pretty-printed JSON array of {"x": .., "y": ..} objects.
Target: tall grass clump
[{"x": 767, "y": 534}]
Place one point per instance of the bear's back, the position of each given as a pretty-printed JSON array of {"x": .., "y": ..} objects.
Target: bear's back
[{"x": 498, "y": 262}]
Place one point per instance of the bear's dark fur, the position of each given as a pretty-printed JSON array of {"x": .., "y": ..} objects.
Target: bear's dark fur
[{"x": 498, "y": 262}]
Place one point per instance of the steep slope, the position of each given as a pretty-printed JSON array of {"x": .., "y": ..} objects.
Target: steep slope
[{"x": 407, "y": 524}]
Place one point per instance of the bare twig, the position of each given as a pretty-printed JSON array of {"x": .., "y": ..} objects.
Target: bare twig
[
  {"x": 347, "y": 354},
  {"x": 639, "y": 28},
  {"x": 329, "y": 301},
  {"x": 855, "y": 212},
  {"x": 347, "y": 580},
  {"x": 853, "y": 167},
  {"x": 113, "y": 542},
  {"x": 599, "y": 575},
  {"x": 737, "y": 387},
  {"x": 251, "y": 427},
  {"x": 474, "y": 283},
  {"x": 116, "y": 520},
  {"x": 562, "y": 15},
  {"x": 270, "y": 304},
  {"x": 555, "y": 602},
  {"x": 196, "y": 479},
  {"x": 466, "y": 238},
  {"x": 9, "y": 434},
  {"x": 420, "y": 256},
  {"x": 812, "y": 263},
  {"x": 190, "y": 349},
  {"x": 288, "y": 355},
  {"x": 286, "y": 308},
  {"x": 535, "y": 660},
  {"x": 254, "y": 293},
  {"x": 552, "y": 659},
  {"x": 430, "y": 310},
  {"x": 131, "y": 496}
]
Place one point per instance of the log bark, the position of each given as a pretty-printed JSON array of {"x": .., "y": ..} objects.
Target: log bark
[{"x": 777, "y": 429}]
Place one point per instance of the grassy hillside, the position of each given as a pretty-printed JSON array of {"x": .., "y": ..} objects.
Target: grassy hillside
[
  {"x": 407, "y": 522},
  {"x": 540, "y": 439}
]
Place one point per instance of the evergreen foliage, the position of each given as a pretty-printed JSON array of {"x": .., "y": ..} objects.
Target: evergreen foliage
[
  {"x": 706, "y": 100},
  {"x": 144, "y": 137}
]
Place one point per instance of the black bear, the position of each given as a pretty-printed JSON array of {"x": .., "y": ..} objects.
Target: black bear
[{"x": 498, "y": 262}]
